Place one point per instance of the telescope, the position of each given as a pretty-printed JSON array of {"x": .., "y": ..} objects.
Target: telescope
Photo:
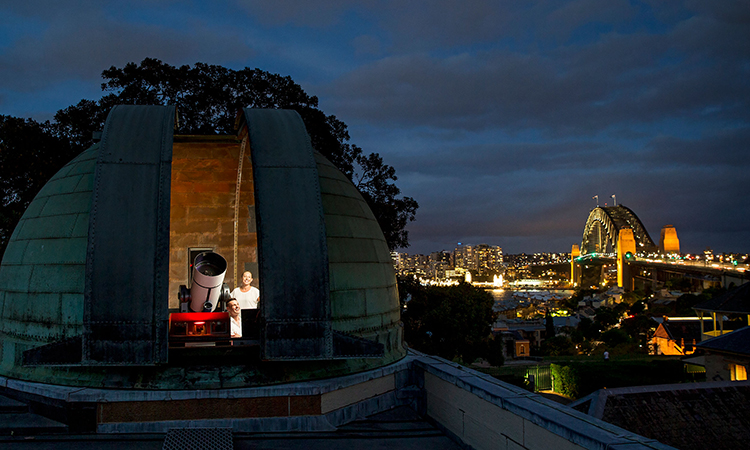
[{"x": 208, "y": 287}]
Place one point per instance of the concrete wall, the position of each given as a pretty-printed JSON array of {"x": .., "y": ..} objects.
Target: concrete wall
[{"x": 484, "y": 413}]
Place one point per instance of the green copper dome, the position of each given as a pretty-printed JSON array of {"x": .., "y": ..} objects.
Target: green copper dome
[
  {"x": 47, "y": 275},
  {"x": 42, "y": 273}
]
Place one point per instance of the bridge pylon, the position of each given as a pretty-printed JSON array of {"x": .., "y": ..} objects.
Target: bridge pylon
[
  {"x": 669, "y": 242},
  {"x": 625, "y": 250},
  {"x": 575, "y": 268}
]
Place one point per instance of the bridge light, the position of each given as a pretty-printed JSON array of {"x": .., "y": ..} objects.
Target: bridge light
[{"x": 628, "y": 255}]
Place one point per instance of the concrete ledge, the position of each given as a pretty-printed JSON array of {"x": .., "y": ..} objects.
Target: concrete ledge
[
  {"x": 523, "y": 419},
  {"x": 476, "y": 410},
  {"x": 313, "y": 387},
  {"x": 311, "y": 406}
]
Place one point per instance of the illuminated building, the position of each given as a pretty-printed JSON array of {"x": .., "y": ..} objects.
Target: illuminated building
[{"x": 482, "y": 258}]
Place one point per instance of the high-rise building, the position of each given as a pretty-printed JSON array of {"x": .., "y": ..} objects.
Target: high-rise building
[
  {"x": 489, "y": 258},
  {"x": 482, "y": 258}
]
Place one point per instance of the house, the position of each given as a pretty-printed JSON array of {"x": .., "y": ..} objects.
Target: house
[
  {"x": 565, "y": 324},
  {"x": 587, "y": 312},
  {"x": 733, "y": 304},
  {"x": 517, "y": 345},
  {"x": 727, "y": 357},
  {"x": 676, "y": 337},
  {"x": 614, "y": 295}
]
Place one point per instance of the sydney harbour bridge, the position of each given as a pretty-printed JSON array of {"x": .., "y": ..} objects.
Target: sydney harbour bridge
[{"x": 615, "y": 235}]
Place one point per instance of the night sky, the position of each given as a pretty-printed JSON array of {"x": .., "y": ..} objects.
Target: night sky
[{"x": 502, "y": 119}]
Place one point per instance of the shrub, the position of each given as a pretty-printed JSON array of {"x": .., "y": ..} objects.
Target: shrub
[{"x": 565, "y": 380}]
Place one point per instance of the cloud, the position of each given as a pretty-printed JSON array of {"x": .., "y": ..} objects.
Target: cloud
[
  {"x": 726, "y": 148},
  {"x": 366, "y": 44},
  {"x": 694, "y": 69},
  {"x": 502, "y": 119},
  {"x": 81, "y": 46},
  {"x": 309, "y": 14}
]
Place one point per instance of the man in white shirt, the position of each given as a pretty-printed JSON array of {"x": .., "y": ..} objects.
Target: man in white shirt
[
  {"x": 235, "y": 318},
  {"x": 247, "y": 295}
]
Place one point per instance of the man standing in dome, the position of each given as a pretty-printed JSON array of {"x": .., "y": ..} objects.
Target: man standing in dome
[
  {"x": 247, "y": 295},
  {"x": 235, "y": 318}
]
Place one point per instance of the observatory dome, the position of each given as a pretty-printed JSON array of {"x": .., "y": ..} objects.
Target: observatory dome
[{"x": 90, "y": 280}]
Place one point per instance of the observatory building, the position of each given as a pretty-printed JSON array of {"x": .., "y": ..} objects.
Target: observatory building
[
  {"x": 92, "y": 273},
  {"x": 113, "y": 284}
]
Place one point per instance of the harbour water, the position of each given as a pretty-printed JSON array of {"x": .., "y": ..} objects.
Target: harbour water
[{"x": 502, "y": 296}]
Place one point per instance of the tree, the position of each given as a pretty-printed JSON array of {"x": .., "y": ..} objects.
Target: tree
[
  {"x": 495, "y": 351},
  {"x": 30, "y": 154},
  {"x": 680, "y": 283},
  {"x": 373, "y": 180},
  {"x": 589, "y": 329},
  {"x": 615, "y": 337},
  {"x": 637, "y": 308},
  {"x": 549, "y": 325},
  {"x": 685, "y": 302},
  {"x": 558, "y": 346},
  {"x": 449, "y": 321},
  {"x": 208, "y": 98},
  {"x": 607, "y": 316},
  {"x": 632, "y": 297},
  {"x": 640, "y": 328}
]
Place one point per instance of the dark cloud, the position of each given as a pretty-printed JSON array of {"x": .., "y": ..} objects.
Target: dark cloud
[
  {"x": 695, "y": 69},
  {"x": 309, "y": 14},
  {"x": 80, "y": 43},
  {"x": 367, "y": 45},
  {"x": 573, "y": 90},
  {"x": 502, "y": 119},
  {"x": 500, "y": 159},
  {"x": 557, "y": 205},
  {"x": 716, "y": 151}
]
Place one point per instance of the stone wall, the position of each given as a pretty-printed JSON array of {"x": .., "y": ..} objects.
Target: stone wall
[{"x": 204, "y": 180}]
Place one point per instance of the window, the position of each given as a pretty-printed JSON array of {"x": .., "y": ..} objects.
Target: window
[{"x": 738, "y": 372}]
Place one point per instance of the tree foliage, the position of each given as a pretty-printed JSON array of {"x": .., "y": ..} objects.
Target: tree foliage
[
  {"x": 208, "y": 98},
  {"x": 495, "y": 351},
  {"x": 449, "y": 321},
  {"x": 615, "y": 337},
  {"x": 607, "y": 316},
  {"x": 30, "y": 154},
  {"x": 589, "y": 329},
  {"x": 549, "y": 325},
  {"x": 558, "y": 346}
]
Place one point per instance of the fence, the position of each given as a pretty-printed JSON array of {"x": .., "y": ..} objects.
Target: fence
[{"x": 540, "y": 377}]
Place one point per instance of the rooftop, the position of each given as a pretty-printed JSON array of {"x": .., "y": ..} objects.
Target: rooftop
[
  {"x": 736, "y": 301},
  {"x": 686, "y": 416}
]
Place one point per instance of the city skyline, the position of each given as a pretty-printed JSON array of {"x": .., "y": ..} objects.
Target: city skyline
[{"x": 502, "y": 120}]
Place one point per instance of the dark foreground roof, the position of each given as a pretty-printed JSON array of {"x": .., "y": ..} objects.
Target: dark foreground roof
[
  {"x": 399, "y": 429},
  {"x": 736, "y": 301},
  {"x": 691, "y": 416},
  {"x": 734, "y": 342}
]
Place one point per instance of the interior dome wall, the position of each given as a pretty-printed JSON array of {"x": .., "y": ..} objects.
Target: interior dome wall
[{"x": 203, "y": 187}]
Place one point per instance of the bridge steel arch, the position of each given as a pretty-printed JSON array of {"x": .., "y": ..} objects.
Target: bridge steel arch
[{"x": 602, "y": 230}]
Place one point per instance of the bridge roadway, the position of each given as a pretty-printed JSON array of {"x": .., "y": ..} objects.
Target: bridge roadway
[
  {"x": 713, "y": 268},
  {"x": 725, "y": 272}
]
